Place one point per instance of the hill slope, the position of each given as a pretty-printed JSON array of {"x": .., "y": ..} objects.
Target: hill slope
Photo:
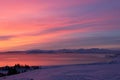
[{"x": 73, "y": 72}]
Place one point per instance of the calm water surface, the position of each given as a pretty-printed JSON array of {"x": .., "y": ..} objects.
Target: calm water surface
[{"x": 50, "y": 59}]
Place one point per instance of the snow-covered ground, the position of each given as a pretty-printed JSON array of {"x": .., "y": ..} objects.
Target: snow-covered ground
[{"x": 106, "y": 71}]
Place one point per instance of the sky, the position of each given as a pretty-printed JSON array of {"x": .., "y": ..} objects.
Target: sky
[{"x": 59, "y": 24}]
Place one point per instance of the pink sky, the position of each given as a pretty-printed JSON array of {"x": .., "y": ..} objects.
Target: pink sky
[{"x": 56, "y": 24}]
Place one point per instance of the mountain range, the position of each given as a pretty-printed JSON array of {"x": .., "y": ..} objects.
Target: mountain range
[{"x": 92, "y": 50}]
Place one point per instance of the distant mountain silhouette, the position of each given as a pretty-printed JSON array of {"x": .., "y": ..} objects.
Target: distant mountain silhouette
[{"x": 92, "y": 50}]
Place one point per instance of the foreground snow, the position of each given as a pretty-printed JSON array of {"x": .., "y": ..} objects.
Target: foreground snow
[{"x": 73, "y": 72}]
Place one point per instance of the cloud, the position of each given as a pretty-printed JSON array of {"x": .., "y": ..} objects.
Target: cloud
[{"x": 2, "y": 38}]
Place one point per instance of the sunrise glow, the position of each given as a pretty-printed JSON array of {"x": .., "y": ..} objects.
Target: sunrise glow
[{"x": 57, "y": 24}]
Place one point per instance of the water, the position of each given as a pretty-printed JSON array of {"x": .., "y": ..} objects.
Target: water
[{"x": 50, "y": 59}]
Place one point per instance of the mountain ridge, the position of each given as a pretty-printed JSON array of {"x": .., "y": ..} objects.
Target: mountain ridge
[{"x": 91, "y": 50}]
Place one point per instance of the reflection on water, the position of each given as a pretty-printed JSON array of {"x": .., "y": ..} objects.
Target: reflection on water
[{"x": 49, "y": 59}]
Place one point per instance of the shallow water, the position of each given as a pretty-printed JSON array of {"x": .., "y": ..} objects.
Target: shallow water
[{"x": 50, "y": 59}]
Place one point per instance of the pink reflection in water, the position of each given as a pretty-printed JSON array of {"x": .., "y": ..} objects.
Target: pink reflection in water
[{"x": 49, "y": 59}]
